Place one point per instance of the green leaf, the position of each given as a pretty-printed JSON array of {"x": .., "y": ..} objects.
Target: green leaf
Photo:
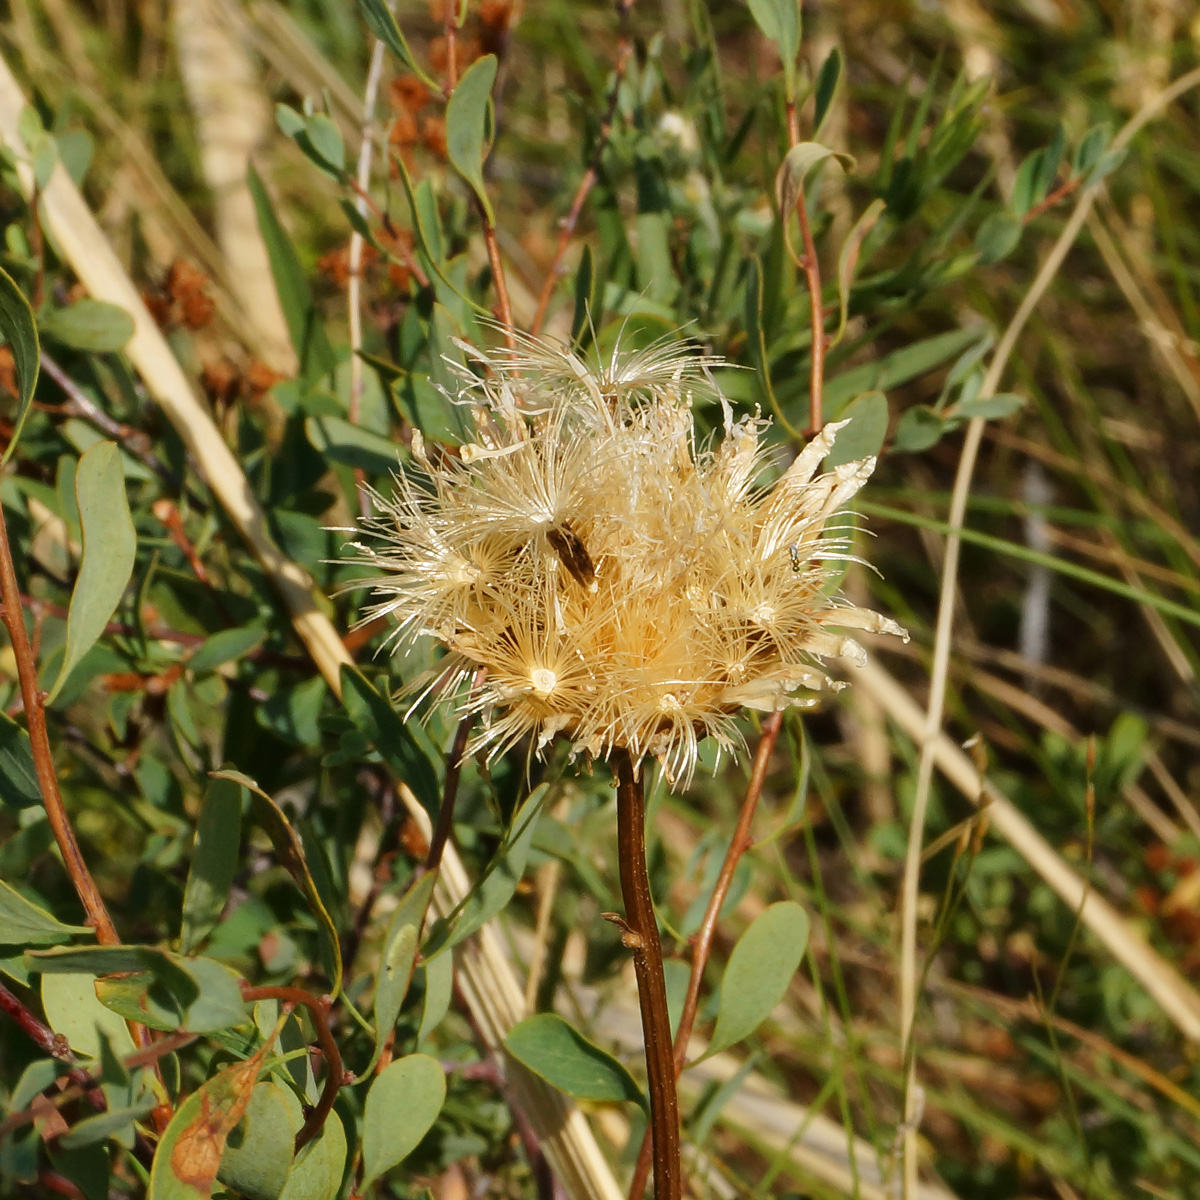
[
  {"x": 352, "y": 445},
  {"x": 75, "y": 151},
  {"x": 1091, "y": 148},
  {"x": 780, "y": 21},
  {"x": 214, "y": 862},
  {"x": 109, "y": 550},
  {"x": 799, "y": 160},
  {"x": 325, "y": 140},
  {"x": 586, "y": 314},
  {"x": 290, "y": 851},
  {"x": 72, "y": 1009},
  {"x": 168, "y": 990},
  {"x": 87, "y": 1167},
  {"x": 998, "y": 236},
  {"x": 113, "y": 1123},
  {"x": 439, "y": 990},
  {"x": 848, "y": 262},
  {"x": 376, "y": 719},
  {"x": 402, "y": 1105},
  {"x": 565, "y": 1059},
  {"x": 899, "y": 367},
  {"x": 760, "y": 968},
  {"x": 20, "y": 332},
  {"x": 864, "y": 436},
  {"x": 756, "y": 336},
  {"x": 918, "y": 429},
  {"x": 18, "y": 777},
  {"x": 23, "y": 923},
  {"x": 189, "y": 1151},
  {"x": 290, "y": 122},
  {"x": 382, "y": 23},
  {"x": 466, "y": 126},
  {"x": 258, "y": 1151},
  {"x": 990, "y": 408},
  {"x": 227, "y": 646},
  {"x": 93, "y": 325},
  {"x": 317, "y": 1172},
  {"x": 305, "y": 329},
  {"x": 399, "y": 955},
  {"x": 826, "y": 86},
  {"x": 496, "y": 888}
]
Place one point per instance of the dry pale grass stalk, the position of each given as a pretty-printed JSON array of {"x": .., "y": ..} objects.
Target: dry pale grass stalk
[
  {"x": 1177, "y": 998},
  {"x": 232, "y": 119},
  {"x": 487, "y": 977},
  {"x": 945, "y": 617}
]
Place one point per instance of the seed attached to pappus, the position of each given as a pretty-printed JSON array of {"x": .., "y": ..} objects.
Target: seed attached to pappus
[{"x": 572, "y": 553}]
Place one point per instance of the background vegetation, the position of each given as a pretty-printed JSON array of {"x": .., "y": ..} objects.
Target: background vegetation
[{"x": 218, "y": 144}]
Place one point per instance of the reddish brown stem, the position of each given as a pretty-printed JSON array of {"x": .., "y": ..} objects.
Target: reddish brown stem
[
  {"x": 1060, "y": 193},
  {"x": 335, "y": 1074},
  {"x": 450, "y": 29},
  {"x": 445, "y": 821},
  {"x": 43, "y": 758},
  {"x": 503, "y": 307},
  {"x": 812, "y": 274},
  {"x": 641, "y": 936},
  {"x": 702, "y": 943},
  {"x": 566, "y": 229}
]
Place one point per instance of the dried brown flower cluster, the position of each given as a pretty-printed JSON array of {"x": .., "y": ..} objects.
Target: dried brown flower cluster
[{"x": 619, "y": 584}]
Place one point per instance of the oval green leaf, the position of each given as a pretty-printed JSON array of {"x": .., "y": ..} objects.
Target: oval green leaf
[
  {"x": 258, "y": 1152},
  {"x": 760, "y": 968},
  {"x": 23, "y": 923},
  {"x": 780, "y": 21},
  {"x": 87, "y": 324},
  {"x": 558, "y": 1053},
  {"x": 317, "y": 1172},
  {"x": 402, "y": 1105},
  {"x": 399, "y": 955},
  {"x": 214, "y": 861},
  {"x": 19, "y": 785},
  {"x": 189, "y": 1151},
  {"x": 109, "y": 550},
  {"x": 466, "y": 125},
  {"x": 20, "y": 332},
  {"x": 862, "y": 436}
]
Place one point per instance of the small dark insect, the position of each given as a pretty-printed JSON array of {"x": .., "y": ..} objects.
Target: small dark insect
[
  {"x": 794, "y": 551},
  {"x": 572, "y": 553}
]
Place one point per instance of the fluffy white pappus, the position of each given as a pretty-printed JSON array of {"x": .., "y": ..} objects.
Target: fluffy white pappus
[{"x": 594, "y": 574}]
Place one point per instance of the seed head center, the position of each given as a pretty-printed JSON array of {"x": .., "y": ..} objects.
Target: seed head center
[{"x": 544, "y": 681}]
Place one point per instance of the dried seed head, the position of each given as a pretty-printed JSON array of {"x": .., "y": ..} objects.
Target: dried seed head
[{"x": 620, "y": 584}]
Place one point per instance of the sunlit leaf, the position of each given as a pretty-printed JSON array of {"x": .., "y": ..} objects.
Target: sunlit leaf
[
  {"x": 399, "y": 955},
  {"x": 189, "y": 1151},
  {"x": 466, "y": 125},
  {"x": 258, "y": 1151},
  {"x": 214, "y": 861},
  {"x": 563, "y": 1057},
  {"x": 23, "y": 923},
  {"x": 20, "y": 332},
  {"x": 401, "y": 1107},
  {"x": 109, "y": 551},
  {"x": 93, "y": 325},
  {"x": 760, "y": 968}
]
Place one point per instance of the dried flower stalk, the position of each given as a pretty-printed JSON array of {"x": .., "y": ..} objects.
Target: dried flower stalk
[{"x": 592, "y": 572}]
